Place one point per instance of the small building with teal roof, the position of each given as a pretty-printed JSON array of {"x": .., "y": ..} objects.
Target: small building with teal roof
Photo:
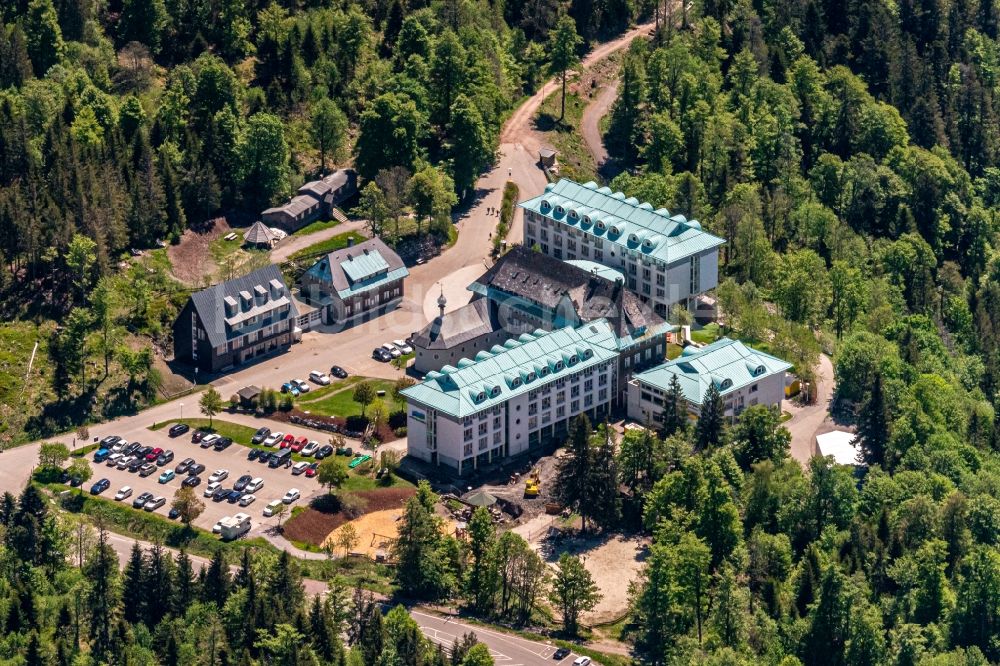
[{"x": 743, "y": 376}]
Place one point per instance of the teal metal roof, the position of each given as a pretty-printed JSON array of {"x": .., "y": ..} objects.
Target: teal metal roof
[
  {"x": 624, "y": 221},
  {"x": 729, "y": 364},
  {"x": 600, "y": 270},
  {"x": 370, "y": 283},
  {"x": 517, "y": 366},
  {"x": 364, "y": 266}
]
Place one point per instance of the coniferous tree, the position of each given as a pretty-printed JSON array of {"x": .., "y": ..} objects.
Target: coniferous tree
[
  {"x": 873, "y": 424},
  {"x": 674, "y": 408},
  {"x": 133, "y": 586},
  {"x": 711, "y": 421},
  {"x": 215, "y": 588},
  {"x": 604, "y": 504},
  {"x": 573, "y": 479}
]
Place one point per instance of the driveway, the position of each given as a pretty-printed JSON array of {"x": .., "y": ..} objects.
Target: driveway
[
  {"x": 292, "y": 244},
  {"x": 808, "y": 419}
]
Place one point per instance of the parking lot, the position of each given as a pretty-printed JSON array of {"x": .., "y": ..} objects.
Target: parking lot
[{"x": 234, "y": 459}]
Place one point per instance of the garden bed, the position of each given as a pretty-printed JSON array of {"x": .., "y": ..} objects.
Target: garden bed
[{"x": 325, "y": 515}]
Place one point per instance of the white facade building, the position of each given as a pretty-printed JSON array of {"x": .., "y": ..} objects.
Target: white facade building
[
  {"x": 743, "y": 376},
  {"x": 512, "y": 399},
  {"x": 665, "y": 259}
]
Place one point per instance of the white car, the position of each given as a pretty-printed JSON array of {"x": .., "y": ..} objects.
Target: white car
[
  {"x": 392, "y": 350},
  {"x": 402, "y": 346},
  {"x": 124, "y": 461},
  {"x": 208, "y": 439},
  {"x": 310, "y": 449},
  {"x": 300, "y": 385},
  {"x": 292, "y": 495},
  {"x": 320, "y": 378},
  {"x": 299, "y": 467},
  {"x": 113, "y": 459},
  {"x": 211, "y": 488},
  {"x": 219, "y": 475},
  {"x": 581, "y": 661},
  {"x": 274, "y": 438},
  {"x": 217, "y": 527},
  {"x": 254, "y": 485},
  {"x": 117, "y": 448},
  {"x": 124, "y": 492},
  {"x": 272, "y": 507},
  {"x": 247, "y": 500}
]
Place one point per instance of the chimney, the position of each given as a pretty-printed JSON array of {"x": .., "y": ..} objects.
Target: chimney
[{"x": 350, "y": 241}]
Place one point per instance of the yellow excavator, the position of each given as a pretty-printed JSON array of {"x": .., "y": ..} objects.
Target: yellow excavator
[{"x": 532, "y": 485}]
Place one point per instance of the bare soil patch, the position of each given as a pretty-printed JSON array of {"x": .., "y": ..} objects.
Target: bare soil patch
[
  {"x": 315, "y": 524},
  {"x": 191, "y": 259}
]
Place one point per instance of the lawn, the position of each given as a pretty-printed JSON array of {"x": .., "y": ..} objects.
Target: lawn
[
  {"x": 341, "y": 403},
  {"x": 707, "y": 335},
  {"x": 21, "y": 396},
  {"x": 575, "y": 160},
  {"x": 338, "y": 242},
  {"x": 240, "y": 434},
  {"x": 318, "y": 225},
  {"x": 673, "y": 351}
]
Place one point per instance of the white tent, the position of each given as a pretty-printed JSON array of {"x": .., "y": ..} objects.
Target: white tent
[{"x": 839, "y": 444}]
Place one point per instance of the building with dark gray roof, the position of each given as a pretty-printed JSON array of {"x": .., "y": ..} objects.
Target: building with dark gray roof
[
  {"x": 314, "y": 200},
  {"x": 234, "y": 322}
]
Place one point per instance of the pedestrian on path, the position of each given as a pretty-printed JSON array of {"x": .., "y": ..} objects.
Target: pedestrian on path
[{"x": 510, "y": 172}]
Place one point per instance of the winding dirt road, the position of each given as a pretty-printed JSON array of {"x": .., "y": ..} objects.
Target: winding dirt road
[{"x": 590, "y": 124}]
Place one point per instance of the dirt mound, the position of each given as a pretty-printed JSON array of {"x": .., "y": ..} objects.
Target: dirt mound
[
  {"x": 322, "y": 517},
  {"x": 191, "y": 259}
]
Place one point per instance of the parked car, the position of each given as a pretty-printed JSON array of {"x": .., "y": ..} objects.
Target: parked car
[
  {"x": 325, "y": 451},
  {"x": 264, "y": 457},
  {"x": 155, "y": 503},
  {"x": 299, "y": 468},
  {"x": 274, "y": 438},
  {"x": 167, "y": 476},
  {"x": 234, "y": 496},
  {"x": 165, "y": 457},
  {"x": 136, "y": 464},
  {"x": 310, "y": 449},
  {"x": 260, "y": 435},
  {"x": 124, "y": 462},
  {"x": 196, "y": 469},
  {"x": 272, "y": 507},
  {"x": 191, "y": 481},
  {"x": 298, "y": 444},
  {"x": 255, "y": 484},
  {"x": 217, "y": 527},
  {"x": 582, "y": 661},
  {"x": 391, "y": 350},
  {"x": 312, "y": 470},
  {"x": 208, "y": 440},
  {"x": 219, "y": 475},
  {"x": 123, "y": 493},
  {"x": 247, "y": 500},
  {"x": 101, "y": 455},
  {"x": 184, "y": 465},
  {"x": 560, "y": 654},
  {"x": 198, "y": 435},
  {"x": 253, "y": 454},
  {"x": 338, "y": 372},
  {"x": 289, "y": 387},
  {"x": 242, "y": 482},
  {"x": 211, "y": 488},
  {"x": 173, "y": 514},
  {"x": 109, "y": 441},
  {"x": 292, "y": 495},
  {"x": 141, "y": 500},
  {"x": 130, "y": 449},
  {"x": 302, "y": 386},
  {"x": 113, "y": 459},
  {"x": 403, "y": 346},
  {"x": 320, "y": 378},
  {"x": 154, "y": 454},
  {"x": 100, "y": 486},
  {"x": 119, "y": 446},
  {"x": 220, "y": 494},
  {"x": 178, "y": 429},
  {"x": 380, "y": 354},
  {"x": 222, "y": 443},
  {"x": 287, "y": 441},
  {"x": 147, "y": 469}
]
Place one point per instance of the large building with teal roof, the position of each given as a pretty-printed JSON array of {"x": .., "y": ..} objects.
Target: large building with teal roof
[
  {"x": 354, "y": 283},
  {"x": 513, "y": 398},
  {"x": 744, "y": 376},
  {"x": 665, "y": 258}
]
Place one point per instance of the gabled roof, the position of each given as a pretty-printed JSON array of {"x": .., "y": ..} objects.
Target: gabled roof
[
  {"x": 210, "y": 304},
  {"x": 537, "y": 278},
  {"x": 468, "y": 322},
  {"x": 258, "y": 234},
  {"x": 327, "y": 184},
  {"x": 359, "y": 268},
  {"x": 729, "y": 364},
  {"x": 623, "y": 221},
  {"x": 519, "y": 365}
]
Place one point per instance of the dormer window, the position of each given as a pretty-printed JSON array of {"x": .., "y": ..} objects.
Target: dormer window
[
  {"x": 481, "y": 396},
  {"x": 573, "y": 360},
  {"x": 546, "y": 204},
  {"x": 516, "y": 383},
  {"x": 601, "y": 225},
  {"x": 560, "y": 210},
  {"x": 495, "y": 392},
  {"x": 632, "y": 238},
  {"x": 545, "y": 372},
  {"x": 531, "y": 377},
  {"x": 559, "y": 366},
  {"x": 615, "y": 230},
  {"x": 759, "y": 371},
  {"x": 572, "y": 214},
  {"x": 647, "y": 243},
  {"x": 727, "y": 383},
  {"x": 588, "y": 353}
]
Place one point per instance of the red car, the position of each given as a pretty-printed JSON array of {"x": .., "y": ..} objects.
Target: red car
[
  {"x": 154, "y": 454},
  {"x": 287, "y": 441},
  {"x": 297, "y": 445},
  {"x": 311, "y": 470}
]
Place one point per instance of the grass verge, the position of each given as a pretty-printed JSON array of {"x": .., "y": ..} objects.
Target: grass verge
[
  {"x": 575, "y": 160},
  {"x": 313, "y": 227},
  {"x": 341, "y": 403},
  {"x": 338, "y": 242}
]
